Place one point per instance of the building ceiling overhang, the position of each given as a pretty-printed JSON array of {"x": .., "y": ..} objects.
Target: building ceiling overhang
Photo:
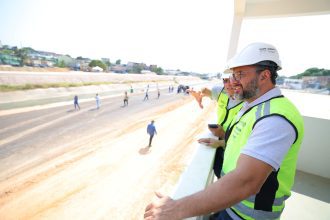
[{"x": 281, "y": 8}]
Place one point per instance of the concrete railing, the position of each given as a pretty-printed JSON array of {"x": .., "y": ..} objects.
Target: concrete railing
[{"x": 198, "y": 174}]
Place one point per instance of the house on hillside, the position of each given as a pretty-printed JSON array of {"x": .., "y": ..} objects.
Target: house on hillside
[
  {"x": 316, "y": 82},
  {"x": 82, "y": 64},
  {"x": 118, "y": 69},
  {"x": 41, "y": 59},
  {"x": 8, "y": 59},
  {"x": 293, "y": 83},
  {"x": 153, "y": 67},
  {"x": 8, "y": 56},
  {"x": 136, "y": 67}
]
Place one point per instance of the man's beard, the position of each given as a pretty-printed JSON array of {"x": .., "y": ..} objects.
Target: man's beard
[
  {"x": 250, "y": 91},
  {"x": 236, "y": 96}
]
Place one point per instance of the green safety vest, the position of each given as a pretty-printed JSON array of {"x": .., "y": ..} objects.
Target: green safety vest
[
  {"x": 268, "y": 203},
  {"x": 225, "y": 115}
]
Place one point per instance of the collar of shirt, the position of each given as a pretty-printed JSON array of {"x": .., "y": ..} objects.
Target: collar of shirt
[{"x": 268, "y": 95}]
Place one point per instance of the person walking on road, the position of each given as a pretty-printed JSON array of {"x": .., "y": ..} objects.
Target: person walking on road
[
  {"x": 75, "y": 102},
  {"x": 125, "y": 99},
  {"x": 151, "y": 130},
  {"x": 146, "y": 96},
  {"x": 97, "y": 99},
  {"x": 262, "y": 146},
  {"x": 158, "y": 94}
]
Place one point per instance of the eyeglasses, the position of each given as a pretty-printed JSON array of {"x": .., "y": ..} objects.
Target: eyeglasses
[{"x": 240, "y": 74}]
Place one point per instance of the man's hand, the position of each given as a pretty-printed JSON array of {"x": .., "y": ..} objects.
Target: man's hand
[
  {"x": 211, "y": 142},
  {"x": 218, "y": 132},
  {"x": 163, "y": 209},
  {"x": 206, "y": 92},
  {"x": 198, "y": 96}
]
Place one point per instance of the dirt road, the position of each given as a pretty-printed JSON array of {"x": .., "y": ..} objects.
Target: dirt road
[{"x": 58, "y": 163}]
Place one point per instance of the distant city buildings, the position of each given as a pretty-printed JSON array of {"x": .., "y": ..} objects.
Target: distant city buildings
[
  {"x": 316, "y": 82},
  {"x": 27, "y": 56},
  {"x": 30, "y": 57},
  {"x": 118, "y": 68},
  {"x": 306, "y": 82}
]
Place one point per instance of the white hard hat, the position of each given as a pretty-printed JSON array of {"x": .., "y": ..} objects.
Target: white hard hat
[
  {"x": 253, "y": 54},
  {"x": 225, "y": 75}
]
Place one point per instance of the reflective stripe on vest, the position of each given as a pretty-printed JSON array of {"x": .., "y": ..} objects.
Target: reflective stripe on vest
[
  {"x": 277, "y": 201},
  {"x": 246, "y": 212},
  {"x": 269, "y": 202}
]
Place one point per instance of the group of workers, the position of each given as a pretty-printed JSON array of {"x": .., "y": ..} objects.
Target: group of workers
[
  {"x": 77, "y": 106},
  {"x": 125, "y": 99},
  {"x": 146, "y": 94},
  {"x": 259, "y": 133}
]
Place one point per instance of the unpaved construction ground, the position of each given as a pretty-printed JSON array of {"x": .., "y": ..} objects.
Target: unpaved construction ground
[{"x": 58, "y": 163}]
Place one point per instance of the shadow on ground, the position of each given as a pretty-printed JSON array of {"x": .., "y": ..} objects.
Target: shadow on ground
[
  {"x": 72, "y": 110},
  {"x": 144, "y": 150}
]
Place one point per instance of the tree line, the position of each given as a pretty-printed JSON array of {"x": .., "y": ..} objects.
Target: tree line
[{"x": 312, "y": 72}]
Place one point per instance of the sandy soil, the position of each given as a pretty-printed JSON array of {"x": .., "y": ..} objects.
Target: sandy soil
[
  {"x": 34, "y": 69},
  {"x": 19, "y": 78},
  {"x": 110, "y": 177}
]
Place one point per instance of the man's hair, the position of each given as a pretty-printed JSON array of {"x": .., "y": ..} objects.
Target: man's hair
[{"x": 268, "y": 65}]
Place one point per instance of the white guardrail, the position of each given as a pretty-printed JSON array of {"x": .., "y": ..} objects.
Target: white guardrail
[{"x": 198, "y": 174}]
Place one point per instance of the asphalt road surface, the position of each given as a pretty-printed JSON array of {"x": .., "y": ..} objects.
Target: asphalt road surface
[{"x": 61, "y": 163}]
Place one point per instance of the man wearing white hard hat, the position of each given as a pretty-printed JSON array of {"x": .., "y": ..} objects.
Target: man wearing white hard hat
[
  {"x": 227, "y": 108},
  {"x": 262, "y": 145}
]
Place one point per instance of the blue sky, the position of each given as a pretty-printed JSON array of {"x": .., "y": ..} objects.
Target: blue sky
[{"x": 190, "y": 35}]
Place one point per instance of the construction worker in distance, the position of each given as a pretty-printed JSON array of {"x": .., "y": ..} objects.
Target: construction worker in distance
[
  {"x": 125, "y": 99},
  {"x": 151, "y": 130},
  {"x": 227, "y": 108},
  {"x": 262, "y": 145}
]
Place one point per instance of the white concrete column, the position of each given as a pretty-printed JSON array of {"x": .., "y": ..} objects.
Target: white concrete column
[{"x": 239, "y": 6}]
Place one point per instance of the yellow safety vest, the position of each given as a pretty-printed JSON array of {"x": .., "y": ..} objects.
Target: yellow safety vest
[
  {"x": 225, "y": 114},
  {"x": 269, "y": 202}
]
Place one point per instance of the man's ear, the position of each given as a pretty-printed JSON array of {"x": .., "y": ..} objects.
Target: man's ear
[{"x": 265, "y": 74}]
